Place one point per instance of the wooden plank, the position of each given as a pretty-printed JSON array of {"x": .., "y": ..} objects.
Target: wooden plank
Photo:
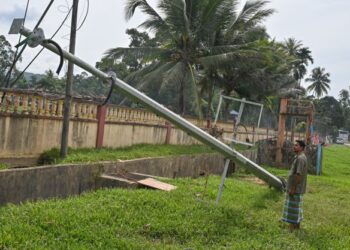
[{"x": 150, "y": 182}]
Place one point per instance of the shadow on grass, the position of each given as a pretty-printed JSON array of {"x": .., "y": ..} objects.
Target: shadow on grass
[{"x": 270, "y": 196}]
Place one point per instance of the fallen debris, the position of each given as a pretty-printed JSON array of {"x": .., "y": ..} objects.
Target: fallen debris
[
  {"x": 153, "y": 183},
  {"x": 133, "y": 180}
]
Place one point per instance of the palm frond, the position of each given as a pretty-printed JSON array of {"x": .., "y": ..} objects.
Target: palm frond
[
  {"x": 157, "y": 76},
  {"x": 214, "y": 18},
  {"x": 132, "y": 5},
  {"x": 154, "y": 21},
  {"x": 139, "y": 52},
  {"x": 216, "y": 61},
  {"x": 139, "y": 74},
  {"x": 151, "y": 74},
  {"x": 220, "y": 49},
  {"x": 174, "y": 75},
  {"x": 176, "y": 16},
  {"x": 253, "y": 13}
]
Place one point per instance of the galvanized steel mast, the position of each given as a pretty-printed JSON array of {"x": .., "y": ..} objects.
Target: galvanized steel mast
[{"x": 172, "y": 117}]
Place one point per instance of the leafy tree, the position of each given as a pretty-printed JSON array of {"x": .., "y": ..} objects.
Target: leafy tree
[
  {"x": 344, "y": 97},
  {"x": 329, "y": 113},
  {"x": 6, "y": 61},
  {"x": 6, "y": 58},
  {"x": 120, "y": 68},
  {"x": 126, "y": 64},
  {"x": 260, "y": 76},
  {"x": 50, "y": 83},
  {"x": 137, "y": 40},
  {"x": 187, "y": 32},
  {"x": 226, "y": 74},
  {"x": 33, "y": 80},
  {"x": 301, "y": 54},
  {"x": 21, "y": 83},
  {"x": 319, "y": 82}
]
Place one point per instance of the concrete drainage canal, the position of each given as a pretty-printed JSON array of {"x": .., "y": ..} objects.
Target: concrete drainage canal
[{"x": 60, "y": 181}]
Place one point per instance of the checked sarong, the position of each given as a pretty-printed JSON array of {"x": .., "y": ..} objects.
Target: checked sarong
[{"x": 293, "y": 211}]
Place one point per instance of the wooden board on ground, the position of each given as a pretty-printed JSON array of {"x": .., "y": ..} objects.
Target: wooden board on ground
[{"x": 150, "y": 182}]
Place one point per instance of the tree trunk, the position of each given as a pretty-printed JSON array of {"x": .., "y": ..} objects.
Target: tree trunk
[
  {"x": 182, "y": 108},
  {"x": 210, "y": 100},
  {"x": 182, "y": 98}
]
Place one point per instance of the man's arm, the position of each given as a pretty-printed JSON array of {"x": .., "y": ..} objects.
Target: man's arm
[
  {"x": 300, "y": 165},
  {"x": 295, "y": 182}
]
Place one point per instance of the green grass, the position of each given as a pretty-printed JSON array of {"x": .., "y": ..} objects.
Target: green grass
[
  {"x": 127, "y": 153},
  {"x": 187, "y": 218},
  {"x": 3, "y": 166}
]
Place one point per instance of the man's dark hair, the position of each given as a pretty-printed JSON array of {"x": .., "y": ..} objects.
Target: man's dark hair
[{"x": 301, "y": 143}]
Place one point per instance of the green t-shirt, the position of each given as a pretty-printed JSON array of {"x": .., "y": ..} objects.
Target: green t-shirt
[{"x": 299, "y": 166}]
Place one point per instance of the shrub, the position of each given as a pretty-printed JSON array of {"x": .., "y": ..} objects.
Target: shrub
[
  {"x": 49, "y": 157},
  {"x": 3, "y": 166}
]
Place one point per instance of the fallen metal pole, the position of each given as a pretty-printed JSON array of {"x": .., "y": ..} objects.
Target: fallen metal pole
[{"x": 173, "y": 118}]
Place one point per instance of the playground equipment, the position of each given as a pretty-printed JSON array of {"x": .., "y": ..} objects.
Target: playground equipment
[
  {"x": 160, "y": 110},
  {"x": 237, "y": 117},
  {"x": 295, "y": 108}
]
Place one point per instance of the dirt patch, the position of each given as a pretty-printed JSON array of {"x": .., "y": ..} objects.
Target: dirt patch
[{"x": 253, "y": 179}]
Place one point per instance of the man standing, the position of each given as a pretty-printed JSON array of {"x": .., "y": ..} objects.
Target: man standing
[{"x": 296, "y": 186}]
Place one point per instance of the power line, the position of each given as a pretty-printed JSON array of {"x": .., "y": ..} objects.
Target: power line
[
  {"x": 44, "y": 14},
  {"x": 58, "y": 29},
  {"x": 8, "y": 76},
  {"x": 25, "y": 45},
  {"x": 86, "y": 14},
  {"x": 15, "y": 57},
  {"x": 87, "y": 6},
  {"x": 36, "y": 56}
]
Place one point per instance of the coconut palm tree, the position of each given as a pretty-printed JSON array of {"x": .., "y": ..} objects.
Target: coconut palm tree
[
  {"x": 192, "y": 34},
  {"x": 302, "y": 55},
  {"x": 319, "y": 82}
]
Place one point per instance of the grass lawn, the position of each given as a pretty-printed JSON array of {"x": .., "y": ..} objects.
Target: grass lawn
[
  {"x": 187, "y": 218},
  {"x": 112, "y": 154},
  {"x": 3, "y": 166}
]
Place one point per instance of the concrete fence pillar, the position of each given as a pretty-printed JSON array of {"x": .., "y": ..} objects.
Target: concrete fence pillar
[
  {"x": 168, "y": 132},
  {"x": 101, "y": 120}
]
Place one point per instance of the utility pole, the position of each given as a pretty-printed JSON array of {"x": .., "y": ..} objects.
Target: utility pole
[{"x": 68, "y": 97}]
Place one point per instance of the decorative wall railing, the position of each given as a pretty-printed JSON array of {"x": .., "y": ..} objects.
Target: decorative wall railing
[
  {"x": 40, "y": 105},
  {"x": 31, "y": 103},
  {"x": 116, "y": 113}
]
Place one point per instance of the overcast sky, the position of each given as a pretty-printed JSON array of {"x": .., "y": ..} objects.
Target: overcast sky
[{"x": 322, "y": 25}]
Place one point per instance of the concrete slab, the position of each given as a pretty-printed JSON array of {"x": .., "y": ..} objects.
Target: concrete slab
[
  {"x": 153, "y": 183},
  {"x": 107, "y": 181}
]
